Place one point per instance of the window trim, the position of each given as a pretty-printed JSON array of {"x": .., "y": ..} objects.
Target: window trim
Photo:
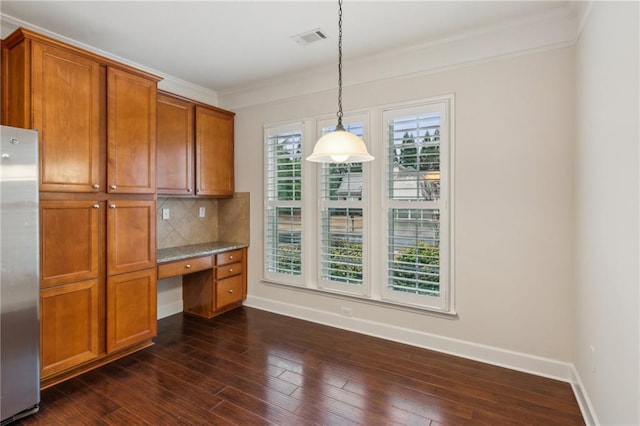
[
  {"x": 444, "y": 302},
  {"x": 289, "y": 279}
]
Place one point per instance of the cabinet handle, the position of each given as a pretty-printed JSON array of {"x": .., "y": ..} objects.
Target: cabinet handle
[
  {"x": 112, "y": 186},
  {"x": 96, "y": 206},
  {"x": 187, "y": 266},
  {"x": 95, "y": 186},
  {"x": 230, "y": 290},
  {"x": 112, "y": 206}
]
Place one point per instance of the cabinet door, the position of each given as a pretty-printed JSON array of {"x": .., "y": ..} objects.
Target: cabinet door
[
  {"x": 175, "y": 146},
  {"x": 68, "y": 103},
  {"x": 131, "y": 308},
  {"x": 131, "y": 133},
  {"x": 69, "y": 239},
  {"x": 69, "y": 326},
  {"x": 131, "y": 231},
  {"x": 214, "y": 152}
]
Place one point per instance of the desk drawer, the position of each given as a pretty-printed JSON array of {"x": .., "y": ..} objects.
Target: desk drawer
[
  {"x": 186, "y": 266},
  {"x": 225, "y": 271},
  {"x": 229, "y": 257},
  {"x": 229, "y": 291}
]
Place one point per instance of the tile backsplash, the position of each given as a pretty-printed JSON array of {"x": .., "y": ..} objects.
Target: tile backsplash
[{"x": 226, "y": 219}]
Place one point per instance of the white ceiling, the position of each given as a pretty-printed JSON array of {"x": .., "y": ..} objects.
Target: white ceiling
[{"x": 225, "y": 45}]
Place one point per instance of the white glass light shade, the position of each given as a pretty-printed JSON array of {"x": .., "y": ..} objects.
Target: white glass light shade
[{"x": 340, "y": 146}]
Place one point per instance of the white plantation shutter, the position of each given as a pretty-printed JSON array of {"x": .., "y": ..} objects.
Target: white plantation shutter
[
  {"x": 415, "y": 204},
  {"x": 283, "y": 200},
  {"x": 342, "y": 192}
]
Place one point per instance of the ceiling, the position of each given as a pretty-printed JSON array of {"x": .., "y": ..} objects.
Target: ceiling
[{"x": 224, "y": 45}]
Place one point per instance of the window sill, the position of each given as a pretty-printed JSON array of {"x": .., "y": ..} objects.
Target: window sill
[{"x": 451, "y": 315}]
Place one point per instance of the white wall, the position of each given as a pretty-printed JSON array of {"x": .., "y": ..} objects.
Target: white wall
[
  {"x": 514, "y": 202},
  {"x": 607, "y": 191}
]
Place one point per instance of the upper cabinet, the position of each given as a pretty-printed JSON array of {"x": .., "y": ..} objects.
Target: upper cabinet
[
  {"x": 78, "y": 101},
  {"x": 131, "y": 133},
  {"x": 175, "y": 146},
  {"x": 214, "y": 152},
  {"x": 195, "y": 148}
]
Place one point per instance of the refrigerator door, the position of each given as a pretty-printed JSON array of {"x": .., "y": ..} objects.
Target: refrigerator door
[{"x": 19, "y": 279}]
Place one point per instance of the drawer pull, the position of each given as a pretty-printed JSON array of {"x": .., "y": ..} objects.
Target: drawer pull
[
  {"x": 112, "y": 206},
  {"x": 231, "y": 257},
  {"x": 187, "y": 266},
  {"x": 96, "y": 206},
  {"x": 113, "y": 187},
  {"x": 230, "y": 269},
  {"x": 230, "y": 290}
]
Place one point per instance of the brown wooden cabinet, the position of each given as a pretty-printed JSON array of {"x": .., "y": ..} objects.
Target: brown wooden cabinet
[
  {"x": 131, "y": 120},
  {"x": 195, "y": 148},
  {"x": 210, "y": 292},
  {"x": 214, "y": 152},
  {"x": 131, "y": 236},
  {"x": 70, "y": 241},
  {"x": 175, "y": 146},
  {"x": 72, "y": 288},
  {"x": 61, "y": 94},
  {"x": 70, "y": 326},
  {"x": 78, "y": 102},
  {"x": 97, "y": 130},
  {"x": 131, "y": 308}
]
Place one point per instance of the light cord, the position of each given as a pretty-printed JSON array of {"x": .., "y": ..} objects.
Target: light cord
[{"x": 339, "y": 126}]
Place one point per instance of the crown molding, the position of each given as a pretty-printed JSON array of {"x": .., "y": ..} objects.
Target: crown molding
[
  {"x": 550, "y": 31},
  {"x": 168, "y": 83}
]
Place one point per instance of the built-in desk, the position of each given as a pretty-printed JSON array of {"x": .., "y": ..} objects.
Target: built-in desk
[{"x": 214, "y": 275}]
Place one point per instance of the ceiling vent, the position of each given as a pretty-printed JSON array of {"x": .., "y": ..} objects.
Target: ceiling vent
[{"x": 309, "y": 37}]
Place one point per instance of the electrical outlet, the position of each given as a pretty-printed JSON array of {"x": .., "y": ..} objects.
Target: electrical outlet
[
  {"x": 165, "y": 214},
  {"x": 201, "y": 212},
  {"x": 347, "y": 312}
]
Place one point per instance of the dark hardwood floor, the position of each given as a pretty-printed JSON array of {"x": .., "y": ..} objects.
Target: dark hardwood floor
[{"x": 249, "y": 367}]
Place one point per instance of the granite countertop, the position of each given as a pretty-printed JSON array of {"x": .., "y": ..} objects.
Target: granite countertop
[{"x": 173, "y": 254}]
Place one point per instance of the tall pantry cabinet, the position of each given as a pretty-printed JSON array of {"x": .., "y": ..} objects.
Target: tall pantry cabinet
[{"x": 97, "y": 132}]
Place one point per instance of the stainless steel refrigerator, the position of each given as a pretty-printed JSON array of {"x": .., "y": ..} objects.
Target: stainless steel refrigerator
[{"x": 19, "y": 279}]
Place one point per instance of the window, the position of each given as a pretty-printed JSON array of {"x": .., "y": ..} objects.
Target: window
[
  {"x": 380, "y": 231},
  {"x": 343, "y": 215},
  {"x": 283, "y": 218},
  {"x": 416, "y": 194}
]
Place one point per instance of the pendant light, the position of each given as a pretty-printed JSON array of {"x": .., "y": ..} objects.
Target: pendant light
[{"x": 340, "y": 146}]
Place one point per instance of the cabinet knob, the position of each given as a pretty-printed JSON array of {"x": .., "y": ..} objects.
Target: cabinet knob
[
  {"x": 96, "y": 206},
  {"x": 112, "y": 206},
  {"x": 230, "y": 269},
  {"x": 230, "y": 290},
  {"x": 187, "y": 266},
  {"x": 112, "y": 186},
  {"x": 230, "y": 257},
  {"x": 189, "y": 190},
  {"x": 95, "y": 186}
]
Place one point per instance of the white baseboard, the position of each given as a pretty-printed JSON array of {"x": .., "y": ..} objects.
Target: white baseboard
[
  {"x": 519, "y": 361},
  {"x": 588, "y": 413},
  {"x": 169, "y": 309}
]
